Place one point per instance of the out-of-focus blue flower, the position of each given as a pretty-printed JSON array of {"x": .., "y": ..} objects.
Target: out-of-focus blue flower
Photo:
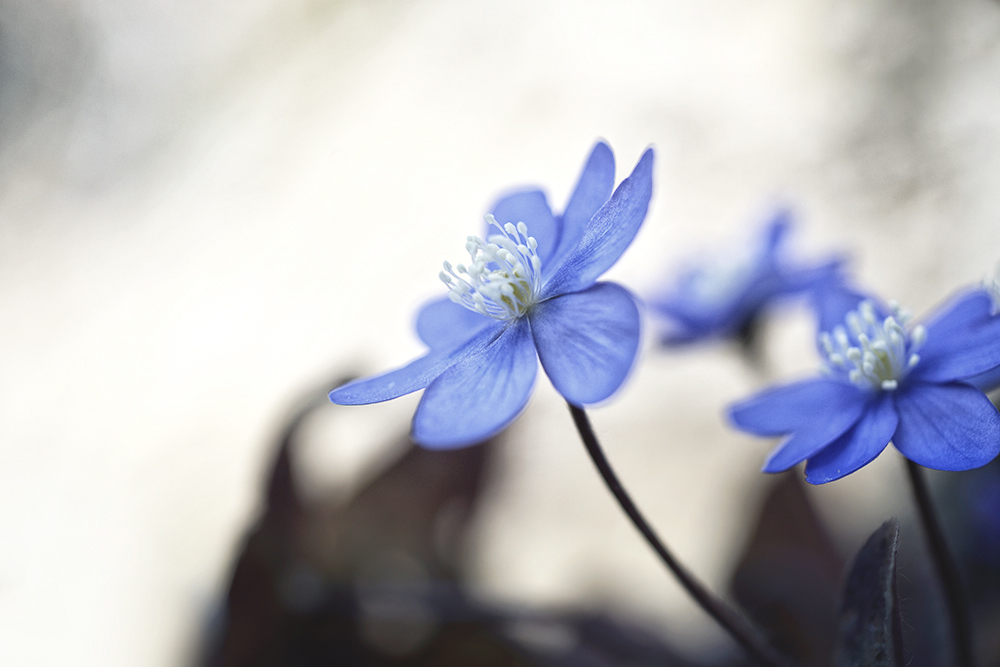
[
  {"x": 883, "y": 381},
  {"x": 724, "y": 297},
  {"x": 530, "y": 293}
]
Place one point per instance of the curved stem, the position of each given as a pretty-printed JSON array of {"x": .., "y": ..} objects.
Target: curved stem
[
  {"x": 961, "y": 625},
  {"x": 737, "y": 626}
]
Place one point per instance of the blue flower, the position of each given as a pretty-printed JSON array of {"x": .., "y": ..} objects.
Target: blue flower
[
  {"x": 723, "y": 298},
  {"x": 529, "y": 293},
  {"x": 883, "y": 381}
]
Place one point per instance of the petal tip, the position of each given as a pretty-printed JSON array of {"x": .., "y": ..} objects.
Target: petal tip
[
  {"x": 772, "y": 468},
  {"x": 817, "y": 480},
  {"x": 602, "y": 149}
]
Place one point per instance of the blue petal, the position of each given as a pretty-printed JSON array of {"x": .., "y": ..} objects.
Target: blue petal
[
  {"x": 947, "y": 426},
  {"x": 832, "y": 301},
  {"x": 593, "y": 188},
  {"x": 443, "y": 324},
  {"x": 587, "y": 341},
  {"x": 416, "y": 375},
  {"x": 777, "y": 231},
  {"x": 788, "y": 408},
  {"x": 480, "y": 395},
  {"x": 963, "y": 340},
  {"x": 608, "y": 233},
  {"x": 858, "y": 447},
  {"x": 808, "y": 440},
  {"x": 801, "y": 279},
  {"x": 532, "y": 208}
]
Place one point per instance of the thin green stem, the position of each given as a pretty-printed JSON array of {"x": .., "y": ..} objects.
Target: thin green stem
[{"x": 737, "y": 626}]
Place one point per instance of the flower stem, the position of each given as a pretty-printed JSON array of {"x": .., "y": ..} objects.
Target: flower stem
[
  {"x": 961, "y": 626},
  {"x": 737, "y": 626}
]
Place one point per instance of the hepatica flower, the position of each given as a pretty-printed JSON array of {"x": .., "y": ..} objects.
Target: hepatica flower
[
  {"x": 722, "y": 298},
  {"x": 886, "y": 381},
  {"x": 528, "y": 293}
]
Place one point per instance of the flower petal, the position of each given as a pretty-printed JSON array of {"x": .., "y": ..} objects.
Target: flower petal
[
  {"x": 478, "y": 396},
  {"x": 776, "y": 232},
  {"x": 805, "y": 278},
  {"x": 947, "y": 426},
  {"x": 594, "y": 187},
  {"x": 532, "y": 208},
  {"x": 443, "y": 324},
  {"x": 963, "y": 340},
  {"x": 587, "y": 341},
  {"x": 415, "y": 375},
  {"x": 858, "y": 447},
  {"x": 809, "y": 440},
  {"x": 832, "y": 301},
  {"x": 788, "y": 408},
  {"x": 608, "y": 233}
]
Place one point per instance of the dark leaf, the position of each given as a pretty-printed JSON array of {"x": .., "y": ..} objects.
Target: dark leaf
[
  {"x": 869, "y": 631},
  {"x": 359, "y": 582},
  {"x": 788, "y": 579}
]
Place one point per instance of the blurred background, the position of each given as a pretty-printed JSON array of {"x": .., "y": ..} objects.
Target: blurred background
[{"x": 207, "y": 208}]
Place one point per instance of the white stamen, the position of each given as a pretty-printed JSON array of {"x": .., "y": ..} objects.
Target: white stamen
[
  {"x": 873, "y": 355},
  {"x": 841, "y": 336},
  {"x": 504, "y": 276}
]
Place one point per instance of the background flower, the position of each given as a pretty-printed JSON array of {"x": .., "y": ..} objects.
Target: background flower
[
  {"x": 723, "y": 297},
  {"x": 502, "y": 314}
]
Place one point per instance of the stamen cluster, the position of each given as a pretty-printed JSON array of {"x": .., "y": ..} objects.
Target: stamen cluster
[
  {"x": 874, "y": 355},
  {"x": 503, "y": 279}
]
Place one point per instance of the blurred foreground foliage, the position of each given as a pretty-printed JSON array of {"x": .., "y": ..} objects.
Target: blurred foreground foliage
[{"x": 377, "y": 580}]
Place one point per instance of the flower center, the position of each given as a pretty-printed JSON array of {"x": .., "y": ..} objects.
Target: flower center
[
  {"x": 503, "y": 279},
  {"x": 873, "y": 355}
]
